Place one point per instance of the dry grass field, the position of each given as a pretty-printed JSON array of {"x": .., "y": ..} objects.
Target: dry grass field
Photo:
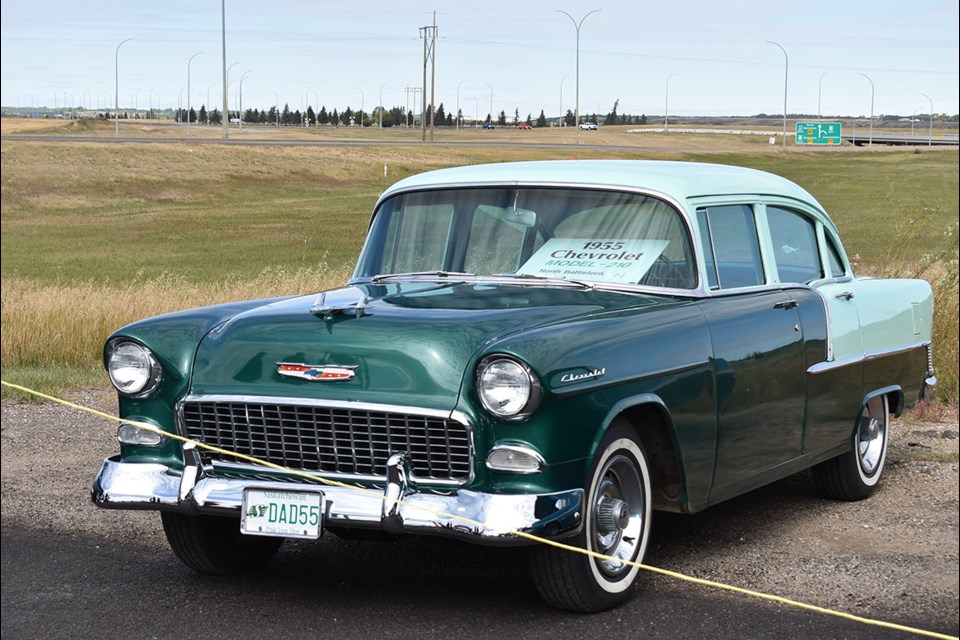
[{"x": 98, "y": 234}]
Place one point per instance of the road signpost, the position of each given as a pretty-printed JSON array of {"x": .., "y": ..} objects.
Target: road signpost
[{"x": 818, "y": 133}]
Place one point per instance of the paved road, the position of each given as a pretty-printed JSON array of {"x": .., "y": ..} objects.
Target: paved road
[
  {"x": 70, "y": 570},
  {"x": 271, "y": 142},
  {"x": 69, "y": 584}
]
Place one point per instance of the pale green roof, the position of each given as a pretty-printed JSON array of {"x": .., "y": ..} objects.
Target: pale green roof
[{"x": 679, "y": 180}]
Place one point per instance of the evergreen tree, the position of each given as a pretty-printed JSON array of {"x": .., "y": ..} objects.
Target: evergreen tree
[
  {"x": 286, "y": 118},
  {"x": 441, "y": 115},
  {"x": 516, "y": 116},
  {"x": 570, "y": 119},
  {"x": 334, "y": 118},
  {"x": 201, "y": 115},
  {"x": 502, "y": 119},
  {"x": 611, "y": 117},
  {"x": 542, "y": 120},
  {"x": 311, "y": 117},
  {"x": 323, "y": 117},
  {"x": 216, "y": 117}
]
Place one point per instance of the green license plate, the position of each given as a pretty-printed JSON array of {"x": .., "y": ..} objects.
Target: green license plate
[{"x": 287, "y": 514}]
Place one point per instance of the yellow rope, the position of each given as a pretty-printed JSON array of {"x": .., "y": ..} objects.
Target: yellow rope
[{"x": 520, "y": 534}]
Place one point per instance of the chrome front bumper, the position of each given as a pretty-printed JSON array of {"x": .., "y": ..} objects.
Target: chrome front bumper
[{"x": 400, "y": 509}]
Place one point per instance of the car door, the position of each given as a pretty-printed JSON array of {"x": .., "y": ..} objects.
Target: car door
[{"x": 758, "y": 353}]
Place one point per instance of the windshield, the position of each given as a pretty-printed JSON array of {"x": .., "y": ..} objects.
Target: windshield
[{"x": 571, "y": 234}]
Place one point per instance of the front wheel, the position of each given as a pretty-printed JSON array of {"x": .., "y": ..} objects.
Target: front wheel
[
  {"x": 213, "y": 545},
  {"x": 616, "y": 524},
  {"x": 855, "y": 474}
]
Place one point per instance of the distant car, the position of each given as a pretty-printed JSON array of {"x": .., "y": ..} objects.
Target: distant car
[
  {"x": 488, "y": 125},
  {"x": 588, "y": 126},
  {"x": 545, "y": 348},
  {"x": 525, "y": 126}
]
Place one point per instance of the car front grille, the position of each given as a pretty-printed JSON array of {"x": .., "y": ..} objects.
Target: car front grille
[{"x": 347, "y": 441}]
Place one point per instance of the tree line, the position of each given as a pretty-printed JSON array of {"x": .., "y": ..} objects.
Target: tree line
[{"x": 395, "y": 116}]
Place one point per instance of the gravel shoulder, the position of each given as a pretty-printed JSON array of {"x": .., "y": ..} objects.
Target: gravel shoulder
[{"x": 893, "y": 557}]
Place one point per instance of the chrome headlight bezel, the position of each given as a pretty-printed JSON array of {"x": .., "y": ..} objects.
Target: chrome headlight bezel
[
  {"x": 526, "y": 391},
  {"x": 147, "y": 370}
]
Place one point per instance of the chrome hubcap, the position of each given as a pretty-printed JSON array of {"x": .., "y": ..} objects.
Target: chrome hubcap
[
  {"x": 871, "y": 435},
  {"x": 618, "y": 510}
]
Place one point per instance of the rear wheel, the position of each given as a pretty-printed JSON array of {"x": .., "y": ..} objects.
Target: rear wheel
[
  {"x": 616, "y": 524},
  {"x": 208, "y": 544},
  {"x": 855, "y": 474}
]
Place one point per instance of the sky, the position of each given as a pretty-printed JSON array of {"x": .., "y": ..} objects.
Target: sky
[{"x": 685, "y": 57}]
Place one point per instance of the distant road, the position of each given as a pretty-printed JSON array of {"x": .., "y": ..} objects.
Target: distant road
[{"x": 267, "y": 142}]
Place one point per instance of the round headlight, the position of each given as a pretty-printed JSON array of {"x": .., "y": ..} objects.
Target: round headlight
[
  {"x": 133, "y": 369},
  {"x": 507, "y": 388}
]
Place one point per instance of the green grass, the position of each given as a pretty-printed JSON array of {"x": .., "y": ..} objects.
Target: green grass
[{"x": 97, "y": 235}]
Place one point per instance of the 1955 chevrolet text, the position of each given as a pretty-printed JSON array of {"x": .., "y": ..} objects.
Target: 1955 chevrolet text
[{"x": 551, "y": 348}]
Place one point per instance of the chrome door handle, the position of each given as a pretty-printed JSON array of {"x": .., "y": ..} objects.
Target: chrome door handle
[
  {"x": 786, "y": 304},
  {"x": 846, "y": 295}
]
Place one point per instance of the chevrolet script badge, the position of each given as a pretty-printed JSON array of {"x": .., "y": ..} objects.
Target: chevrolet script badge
[{"x": 316, "y": 372}]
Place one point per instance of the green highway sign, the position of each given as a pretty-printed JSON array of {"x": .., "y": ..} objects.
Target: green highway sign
[{"x": 818, "y": 133}]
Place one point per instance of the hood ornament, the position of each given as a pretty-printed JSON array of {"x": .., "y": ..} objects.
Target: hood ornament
[
  {"x": 317, "y": 372},
  {"x": 326, "y": 310}
]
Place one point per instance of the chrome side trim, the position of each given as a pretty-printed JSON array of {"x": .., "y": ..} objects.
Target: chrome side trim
[
  {"x": 608, "y": 382},
  {"x": 822, "y": 367},
  {"x": 121, "y": 485}
]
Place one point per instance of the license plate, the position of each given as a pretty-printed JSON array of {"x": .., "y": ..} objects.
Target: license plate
[{"x": 288, "y": 514}]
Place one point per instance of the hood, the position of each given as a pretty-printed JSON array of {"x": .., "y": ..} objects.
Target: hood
[{"x": 405, "y": 343}]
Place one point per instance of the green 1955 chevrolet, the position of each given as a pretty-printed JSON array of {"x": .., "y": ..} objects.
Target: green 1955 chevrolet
[{"x": 552, "y": 348}]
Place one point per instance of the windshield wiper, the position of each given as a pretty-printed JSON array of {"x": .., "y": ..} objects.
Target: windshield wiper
[
  {"x": 547, "y": 279},
  {"x": 414, "y": 274}
]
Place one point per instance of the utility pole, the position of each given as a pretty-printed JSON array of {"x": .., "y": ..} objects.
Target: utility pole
[{"x": 429, "y": 35}]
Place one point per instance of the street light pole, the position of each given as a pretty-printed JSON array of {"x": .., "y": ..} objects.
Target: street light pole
[
  {"x": 240, "y": 112},
  {"x": 930, "y": 132},
  {"x": 116, "y": 88},
  {"x": 666, "y": 104},
  {"x": 819, "y": 94},
  {"x": 188, "y": 87},
  {"x": 871, "y": 105},
  {"x": 361, "y": 107},
  {"x": 380, "y": 110},
  {"x": 226, "y": 96},
  {"x": 786, "y": 73},
  {"x": 491, "y": 102},
  {"x": 561, "y": 98},
  {"x": 306, "y": 108},
  {"x": 458, "y": 104},
  {"x": 223, "y": 66},
  {"x": 576, "y": 25},
  {"x": 207, "y": 104}
]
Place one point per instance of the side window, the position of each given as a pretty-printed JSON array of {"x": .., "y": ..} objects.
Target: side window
[
  {"x": 733, "y": 256},
  {"x": 794, "y": 240},
  {"x": 834, "y": 262}
]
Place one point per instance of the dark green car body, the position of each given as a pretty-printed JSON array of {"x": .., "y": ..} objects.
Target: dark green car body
[{"x": 724, "y": 388}]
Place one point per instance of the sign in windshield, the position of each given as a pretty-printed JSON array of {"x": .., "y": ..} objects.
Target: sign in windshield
[{"x": 615, "y": 261}]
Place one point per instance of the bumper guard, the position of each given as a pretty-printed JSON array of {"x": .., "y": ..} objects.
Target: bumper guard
[{"x": 147, "y": 486}]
